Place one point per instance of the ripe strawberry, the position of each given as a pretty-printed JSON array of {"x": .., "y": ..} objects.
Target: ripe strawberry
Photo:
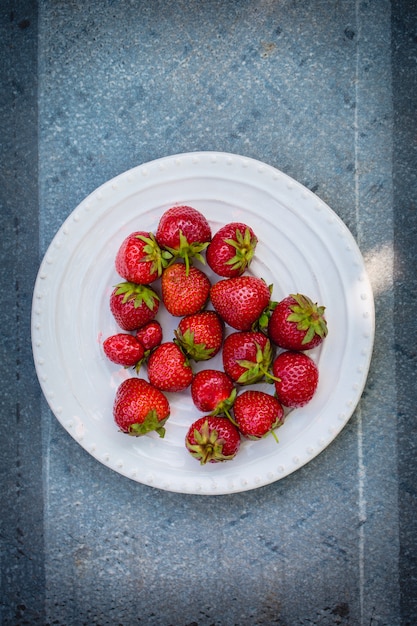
[
  {"x": 184, "y": 232},
  {"x": 231, "y": 249},
  {"x": 241, "y": 300},
  {"x": 257, "y": 414},
  {"x": 133, "y": 305},
  {"x": 184, "y": 293},
  {"x": 139, "y": 408},
  {"x": 213, "y": 392},
  {"x": 247, "y": 356},
  {"x": 297, "y": 378},
  {"x": 168, "y": 368},
  {"x": 200, "y": 335},
  {"x": 297, "y": 323},
  {"x": 140, "y": 259},
  {"x": 124, "y": 349},
  {"x": 212, "y": 439},
  {"x": 150, "y": 335}
]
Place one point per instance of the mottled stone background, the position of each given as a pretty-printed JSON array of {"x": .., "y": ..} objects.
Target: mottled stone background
[{"x": 323, "y": 90}]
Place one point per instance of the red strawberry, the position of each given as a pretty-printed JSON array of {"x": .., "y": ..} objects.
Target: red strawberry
[
  {"x": 140, "y": 259},
  {"x": 124, "y": 349},
  {"x": 297, "y": 378},
  {"x": 212, "y": 439},
  {"x": 213, "y": 392},
  {"x": 240, "y": 301},
  {"x": 139, "y": 408},
  {"x": 184, "y": 232},
  {"x": 231, "y": 249},
  {"x": 184, "y": 293},
  {"x": 133, "y": 305},
  {"x": 168, "y": 368},
  {"x": 200, "y": 335},
  {"x": 257, "y": 413},
  {"x": 297, "y": 323},
  {"x": 150, "y": 335},
  {"x": 247, "y": 356}
]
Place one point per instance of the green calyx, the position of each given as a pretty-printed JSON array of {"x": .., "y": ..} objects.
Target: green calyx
[
  {"x": 245, "y": 245},
  {"x": 149, "y": 424},
  {"x": 256, "y": 370},
  {"x": 223, "y": 408},
  {"x": 208, "y": 445},
  {"x": 262, "y": 322},
  {"x": 138, "y": 293},
  {"x": 188, "y": 251},
  {"x": 309, "y": 317},
  {"x": 141, "y": 361},
  {"x": 153, "y": 253},
  {"x": 195, "y": 351}
]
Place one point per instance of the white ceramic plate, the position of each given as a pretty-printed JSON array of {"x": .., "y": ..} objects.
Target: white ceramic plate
[{"x": 303, "y": 247}]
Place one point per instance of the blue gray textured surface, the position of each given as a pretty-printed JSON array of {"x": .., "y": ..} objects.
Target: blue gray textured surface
[{"x": 326, "y": 92}]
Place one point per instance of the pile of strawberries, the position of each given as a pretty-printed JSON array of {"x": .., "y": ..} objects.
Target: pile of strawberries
[{"x": 266, "y": 340}]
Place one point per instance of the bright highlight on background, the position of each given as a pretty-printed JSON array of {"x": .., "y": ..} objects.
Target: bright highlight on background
[{"x": 379, "y": 264}]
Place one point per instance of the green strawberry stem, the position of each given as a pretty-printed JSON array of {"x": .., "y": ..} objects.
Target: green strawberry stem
[
  {"x": 270, "y": 377},
  {"x": 308, "y": 316},
  {"x": 208, "y": 445},
  {"x": 230, "y": 418},
  {"x": 207, "y": 453},
  {"x": 245, "y": 249},
  {"x": 225, "y": 405},
  {"x": 262, "y": 322},
  {"x": 149, "y": 424},
  {"x": 195, "y": 351},
  {"x": 138, "y": 293},
  {"x": 255, "y": 371},
  {"x": 158, "y": 257},
  {"x": 273, "y": 433},
  {"x": 188, "y": 251},
  {"x": 143, "y": 360}
]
